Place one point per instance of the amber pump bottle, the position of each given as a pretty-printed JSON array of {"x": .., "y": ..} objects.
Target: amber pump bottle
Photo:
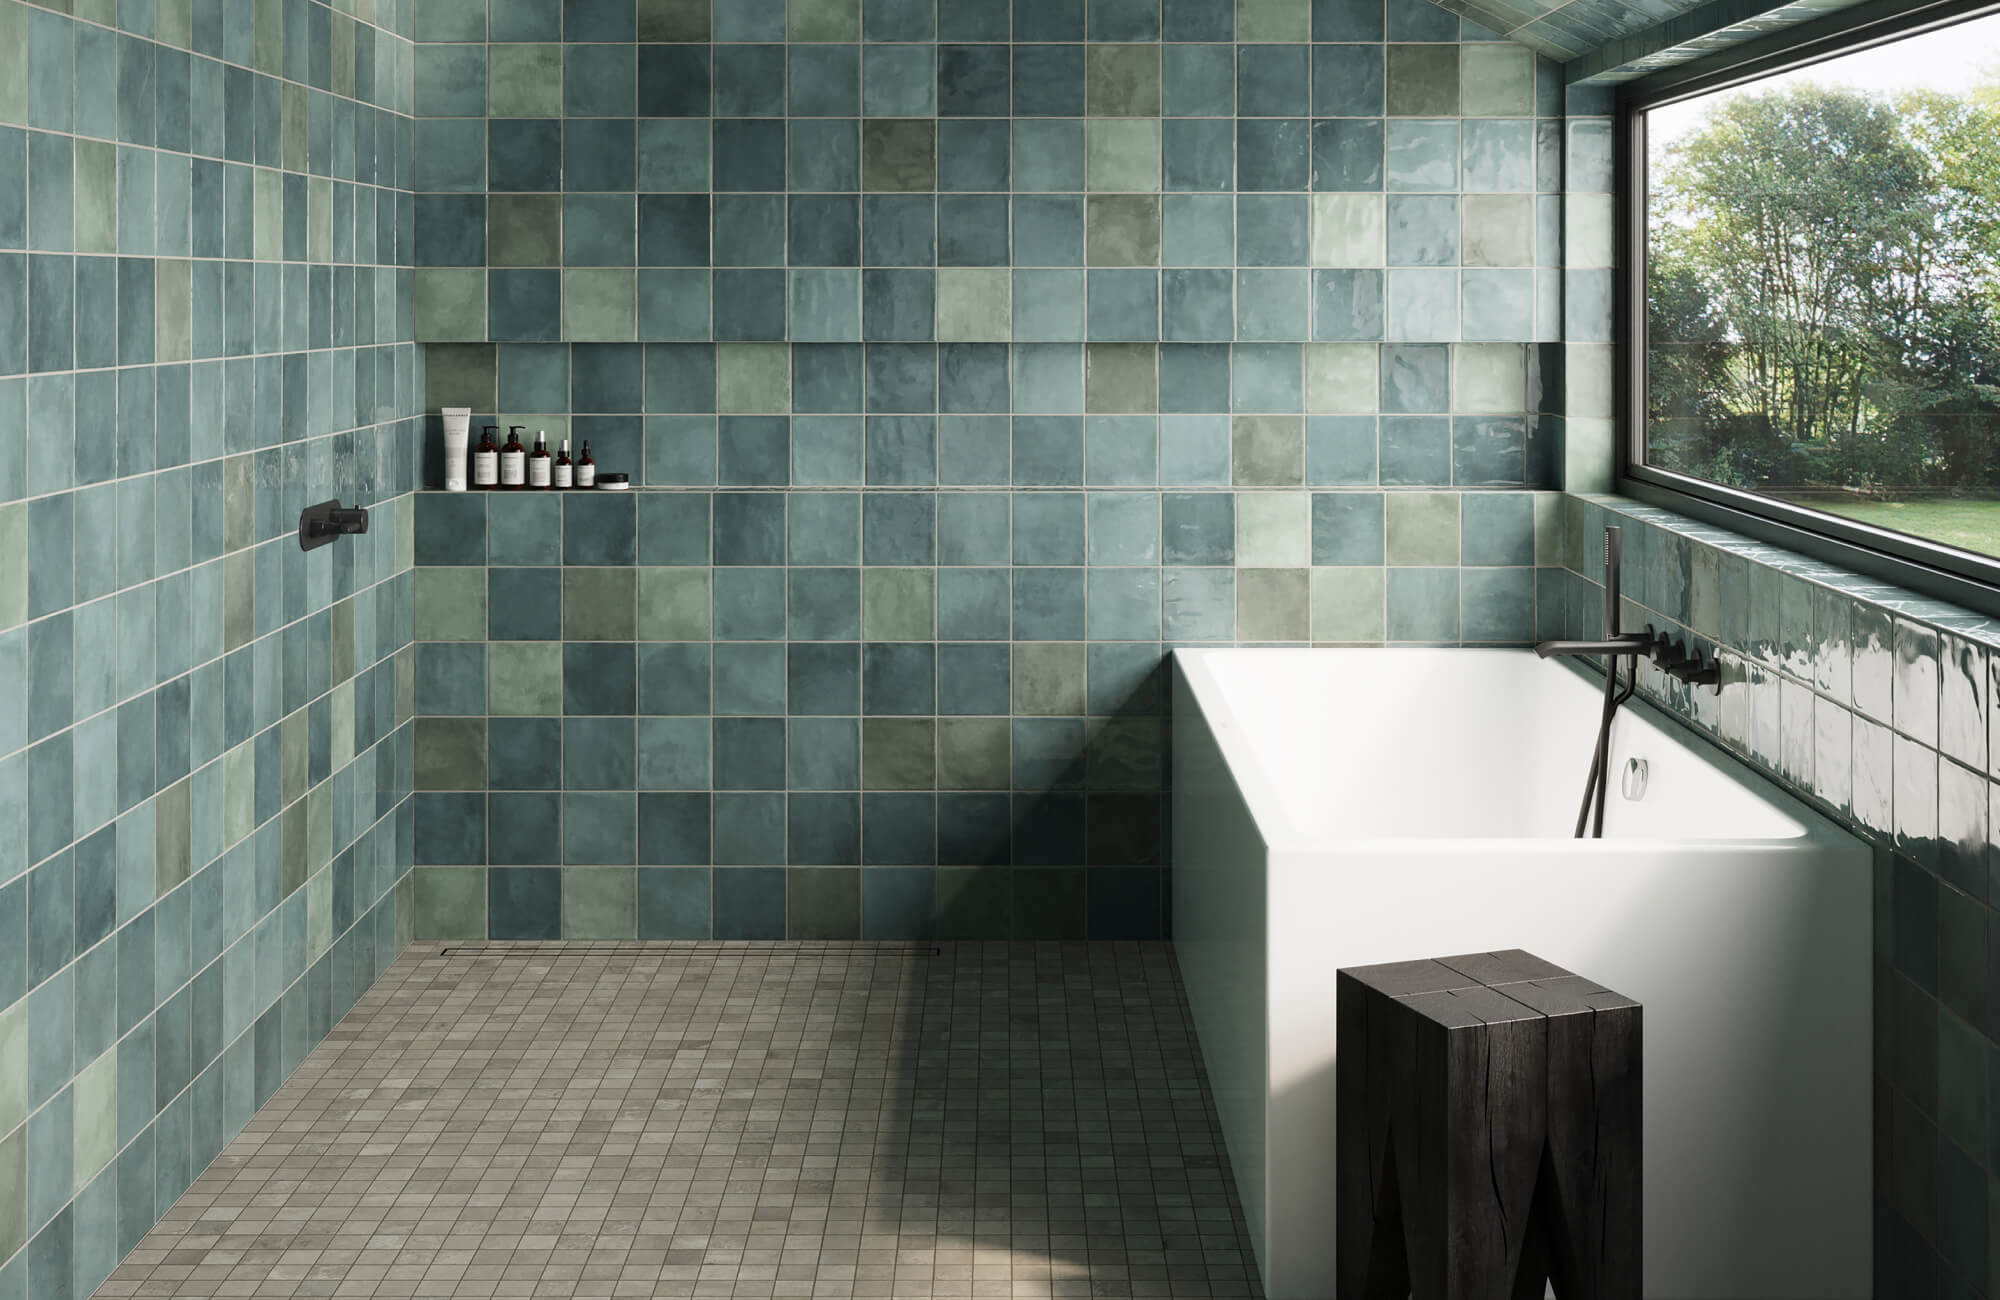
[
  {"x": 586, "y": 468},
  {"x": 486, "y": 459},
  {"x": 565, "y": 469},
  {"x": 513, "y": 462},
  {"x": 539, "y": 461}
]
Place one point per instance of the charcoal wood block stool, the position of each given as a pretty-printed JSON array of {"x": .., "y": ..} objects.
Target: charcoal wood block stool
[{"x": 1488, "y": 1136}]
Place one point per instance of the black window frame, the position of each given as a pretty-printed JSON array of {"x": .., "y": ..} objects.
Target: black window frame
[{"x": 1947, "y": 573}]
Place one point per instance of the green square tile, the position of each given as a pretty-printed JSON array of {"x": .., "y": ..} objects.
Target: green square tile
[
  {"x": 13, "y": 1071},
  {"x": 13, "y": 79},
  {"x": 673, "y": 20},
  {"x": 1122, "y": 80},
  {"x": 13, "y": 565},
  {"x": 1121, "y": 379},
  {"x": 173, "y": 322},
  {"x": 1423, "y": 80},
  {"x": 1275, "y": 20},
  {"x": 454, "y": 375},
  {"x": 823, "y": 20},
  {"x": 898, "y": 753},
  {"x": 450, "y": 303},
  {"x": 1422, "y": 528},
  {"x": 1273, "y": 529},
  {"x": 823, "y": 903},
  {"x": 1122, "y": 230},
  {"x": 1342, "y": 378},
  {"x": 1348, "y": 605},
  {"x": 524, "y": 678},
  {"x": 1268, "y": 450},
  {"x": 1050, "y": 679},
  {"x": 1490, "y": 378},
  {"x": 451, "y": 753},
  {"x": 524, "y": 230},
  {"x": 451, "y": 604},
  {"x": 95, "y": 1135},
  {"x": 450, "y": 902},
  {"x": 898, "y": 604},
  {"x": 674, "y": 604},
  {"x": 14, "y": 1179},
  {"x": 1497, "y": 230},
  {"x": 96, "y": 197},
  {"x": 524, "y": 80},
  {"x": 1495, "y": 79},
  {"x": 600, "y": 903},
  {"x": 1271, "y": 605},
  {"x": 1122, "y": 154},
  {"x": 974, "y": 753},
  {"x": 974, "y": 304},
  {"x": 599, "y": 306},
  {"x": 899, "y": 155},
  {"x": 753, "y": 378},
  {"x": 599, "y": 604}
]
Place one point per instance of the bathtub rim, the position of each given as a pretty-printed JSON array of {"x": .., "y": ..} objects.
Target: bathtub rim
[{"x": 1197, "y": 666}]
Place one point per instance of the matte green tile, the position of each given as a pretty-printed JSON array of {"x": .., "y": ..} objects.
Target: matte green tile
[
  {"x": 1274, "y": 20},
  {"x": 1049, "y": 678},
  {"x": 822, "y": 903},
  {"x": 1123, "y": 154},
  {"x": 451, "y": 754},
  {"x": 974, "y": 753},
  {"x": 1271, "y": 604},
  {"x": 1123, "y": 230},
  {"x": 524, "y": 678},
  {"x": 599, "y": 306},
  {"x": 1123, "y": 80},
  {"x": 599, "y": 604},
  {"x": 899, "y": 155},
  {"x": 1347, "y": 605},
  {"x": 1268, "y": 450},
  {"x": 1422, "y": 528},
  {"x": 753, "y": 378},
  {"x": 600, "y": 903},
  {"x": 898, "y": 604},
  {"x": 450, "y": 303},
  {"x": 450, "y": 902},
  {"x": 673, "y": 604},
  {"x": 450, "y": 604},
  {"x": 898, "y": 753}
]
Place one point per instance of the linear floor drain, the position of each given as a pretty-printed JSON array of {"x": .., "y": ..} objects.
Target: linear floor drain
[{"x": 691, "y": 948}]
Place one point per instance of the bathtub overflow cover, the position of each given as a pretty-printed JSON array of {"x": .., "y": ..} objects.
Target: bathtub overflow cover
[{"x": 1633, "y": 786}]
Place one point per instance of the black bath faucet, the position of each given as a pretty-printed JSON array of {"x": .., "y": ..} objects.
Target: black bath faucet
[
  {"x": 320, "y": 524},
  {"x": 1614, "y": 642}
]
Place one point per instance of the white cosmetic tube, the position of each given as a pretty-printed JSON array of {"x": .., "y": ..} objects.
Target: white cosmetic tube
[{"x": 457, "y": 436}]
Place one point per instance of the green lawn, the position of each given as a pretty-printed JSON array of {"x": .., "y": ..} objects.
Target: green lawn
[{"x": 1971, "y": 525}]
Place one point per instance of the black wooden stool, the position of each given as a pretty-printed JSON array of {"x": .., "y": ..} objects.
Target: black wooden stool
[{"x": 1488, "y": 1132}]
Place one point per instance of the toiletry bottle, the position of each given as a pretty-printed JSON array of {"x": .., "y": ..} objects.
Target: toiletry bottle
[
  {"x": 565, "y": 471},
  {"x": 457, "y": 421},
  {"x": 513, "y": 461},
  {"x": 586, "y": 468},
  {"x": 486, "y": 459},
  {"x": 538, "y": 461}
]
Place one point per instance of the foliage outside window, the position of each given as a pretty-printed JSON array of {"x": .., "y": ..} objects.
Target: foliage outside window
[{"x": 1822, "y": 286}]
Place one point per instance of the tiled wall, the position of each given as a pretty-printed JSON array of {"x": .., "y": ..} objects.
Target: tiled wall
[
  {"x": 971, "y": 355},
  {"x": 1883, "y": 709},
  {"x": 204, "y": 325}
]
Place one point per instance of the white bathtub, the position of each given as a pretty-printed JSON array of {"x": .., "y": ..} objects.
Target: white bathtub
[{"x": 1343, "y": 807}]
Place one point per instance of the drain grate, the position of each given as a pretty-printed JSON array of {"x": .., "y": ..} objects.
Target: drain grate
[{"x": 687, "y": 947}]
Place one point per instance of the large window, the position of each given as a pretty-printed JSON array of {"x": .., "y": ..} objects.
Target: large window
[{"x": 1815, "y": 314}]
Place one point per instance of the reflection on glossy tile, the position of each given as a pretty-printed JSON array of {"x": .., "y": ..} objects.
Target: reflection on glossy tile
[
  {"x": 1962, "y": 684},
  {"x": 1916, "y": 681}
]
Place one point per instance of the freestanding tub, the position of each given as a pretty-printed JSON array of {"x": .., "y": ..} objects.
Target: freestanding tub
[{"x": 1343, "y": 807}]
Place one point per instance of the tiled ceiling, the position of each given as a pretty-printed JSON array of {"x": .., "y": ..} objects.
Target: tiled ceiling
[
  {"x": 1612, "y": 40},
  {"x": 1568, "y": 29}
]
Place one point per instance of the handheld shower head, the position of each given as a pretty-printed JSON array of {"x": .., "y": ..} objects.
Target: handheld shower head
[{"x": 1614, "y": 552}]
